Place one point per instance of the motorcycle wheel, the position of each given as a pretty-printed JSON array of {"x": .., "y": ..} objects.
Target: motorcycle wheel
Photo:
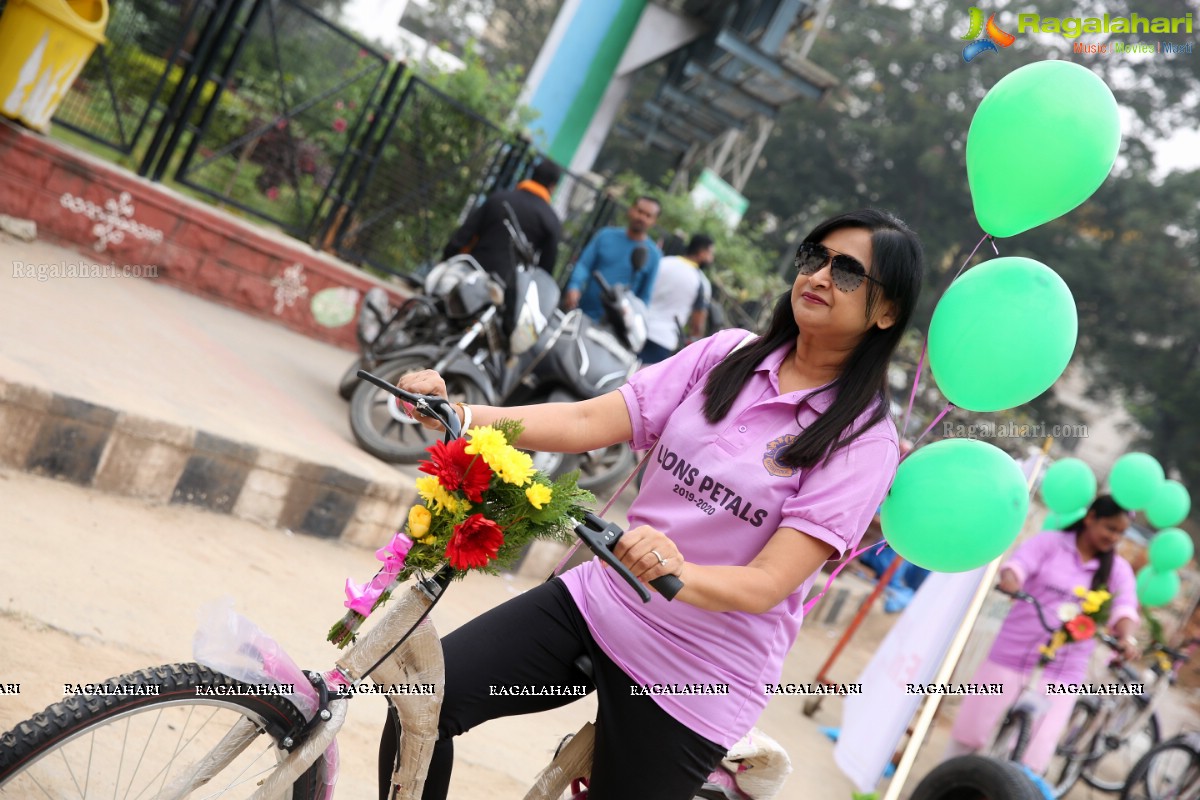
[
  {"x": 603, "y": 469},
  {"x": 350, "y": 380},
  {"x": 379, "y": 423},
  {"x": 555, "y": 465}
]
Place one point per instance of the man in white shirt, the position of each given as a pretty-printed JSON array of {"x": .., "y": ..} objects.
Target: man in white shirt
[{"x": 679, "y": 303}]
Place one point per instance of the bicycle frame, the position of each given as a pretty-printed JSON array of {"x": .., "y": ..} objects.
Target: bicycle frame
[
  {"x": 1097, "y": 734},
  {"x": 1031, "y": 699}
]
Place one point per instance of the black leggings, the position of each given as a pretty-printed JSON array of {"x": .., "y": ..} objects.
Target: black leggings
[{"x": 533, "y": 640}]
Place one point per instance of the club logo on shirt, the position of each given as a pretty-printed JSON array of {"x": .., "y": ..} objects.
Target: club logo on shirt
[{"x": 775, "y": 448}]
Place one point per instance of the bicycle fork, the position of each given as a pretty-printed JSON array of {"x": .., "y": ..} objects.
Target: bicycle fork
[{"x": 417, "y": 662}]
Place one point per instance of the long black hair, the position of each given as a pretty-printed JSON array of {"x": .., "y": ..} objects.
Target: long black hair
[
  {"x": 1102, "y": 507},
  {"x": 898, "y": 263}
]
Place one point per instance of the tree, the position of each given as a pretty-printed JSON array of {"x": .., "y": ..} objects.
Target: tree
[
  {"x": 893, "y": 135},
  {"x": 512, "y": 32}
]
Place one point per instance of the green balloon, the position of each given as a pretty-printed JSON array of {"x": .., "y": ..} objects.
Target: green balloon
[
  {"x": 1068, "y": 484},
  {"x": 955, "y": 505},
  {"x": 1060, "y": 521},
  {"x": 1002, "y": 334},
  {"x": 1041, "y": 142},
  {"x": 1169, "y": 506},
  {"x": 1156, "y": 588},
  {"x": 1135, "y": 480},
  {"x": 1170, "y": 549}
]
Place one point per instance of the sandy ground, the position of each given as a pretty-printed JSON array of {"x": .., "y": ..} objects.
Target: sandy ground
[{"x": 93, "y": 585}]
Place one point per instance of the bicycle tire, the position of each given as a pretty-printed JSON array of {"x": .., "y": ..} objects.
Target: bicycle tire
[
  {"x": 1139, "y": 784},
  {"x": 971, "y": 777},
  {"x": 1070, "y": 749},
  {"x": 1012, "y": 740},
  {"x": 391, "y": 440},
  {"x": 97, "y": 727},
  {"x": 1099, "y": 771}
]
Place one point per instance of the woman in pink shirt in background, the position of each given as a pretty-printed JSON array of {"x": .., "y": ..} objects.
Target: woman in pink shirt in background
[
  {"x": 771, "y": 454},
  {"x": 1050, "y": 566}
]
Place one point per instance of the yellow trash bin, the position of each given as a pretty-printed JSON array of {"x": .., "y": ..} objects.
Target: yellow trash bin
[{"x": 43, "y": 47}]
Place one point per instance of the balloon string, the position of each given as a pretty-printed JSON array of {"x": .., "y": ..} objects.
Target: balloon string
[
  {"x": 936, "y": 420},
  {"x": 912, "y": 397},
  {"x": 986, "y": 237},
  {"x": 809, "y": 604}
]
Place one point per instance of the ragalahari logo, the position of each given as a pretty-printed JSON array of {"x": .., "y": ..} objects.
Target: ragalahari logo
[{"x": 992, "y": 36}]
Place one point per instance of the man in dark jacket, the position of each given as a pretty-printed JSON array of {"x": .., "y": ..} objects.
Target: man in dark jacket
[{"x": 484, "y": 236}]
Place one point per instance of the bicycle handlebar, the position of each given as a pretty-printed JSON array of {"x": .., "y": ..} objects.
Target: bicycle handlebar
[
  {"x": 600, "y": 536},
  {"x": 427, "y": 405},
  {"x": 1025, "y": 597}
]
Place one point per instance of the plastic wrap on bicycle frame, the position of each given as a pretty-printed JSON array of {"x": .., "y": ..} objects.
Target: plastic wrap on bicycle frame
[
  {"x": 759, "y": 764},
  {"x": 416, "y": 665},
  {"x": 573, "y": 760},
  {"x": 233, "y": 645}
]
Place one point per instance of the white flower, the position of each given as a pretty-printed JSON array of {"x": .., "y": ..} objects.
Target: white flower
[{"x": 1068, "y": 612}]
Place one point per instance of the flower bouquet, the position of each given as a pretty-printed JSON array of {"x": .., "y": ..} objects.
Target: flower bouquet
[
  {"x": 1079, "y": 620},
  {"x": 482, "y": 503}
]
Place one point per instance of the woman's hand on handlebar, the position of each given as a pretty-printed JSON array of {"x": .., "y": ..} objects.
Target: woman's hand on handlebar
[
  {"x": 1009, "y": 582},
  {"x": 1128, "y": 649},
  {"x": 649, "y": 554},
  {"x": 424, "y": 382}
]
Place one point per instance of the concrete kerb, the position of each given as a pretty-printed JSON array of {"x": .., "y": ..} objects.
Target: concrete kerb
[{"x": 69, "y": 439}]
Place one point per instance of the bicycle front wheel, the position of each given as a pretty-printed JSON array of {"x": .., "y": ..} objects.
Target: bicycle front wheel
[
  {"x": 1013, "y": 737},
  {"x": 1169, "y": 771},
  {"x": 1071, "y": 752},
  {"x": 140, "y": 733}
]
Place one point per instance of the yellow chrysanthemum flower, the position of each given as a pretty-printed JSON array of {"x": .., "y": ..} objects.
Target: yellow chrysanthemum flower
[
  {"x": 511, "y": 465},
  {"x": 485, "y": 441},
  {"x": 538, "y": 495},
  {"x": 434, "y": 493},
  {"x": 1080, "y": 591},
  {"x": 1094, "y": 600},
  {"x": 429, "y": 540},
  {"x": 418, "y": 521}
]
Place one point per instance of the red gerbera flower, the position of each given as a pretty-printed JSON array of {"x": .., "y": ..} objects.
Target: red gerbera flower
[
  {"x": 1082, "y": 627},
  {"x": 475, "y": 541},
  {"x": 455, "y": 468}
]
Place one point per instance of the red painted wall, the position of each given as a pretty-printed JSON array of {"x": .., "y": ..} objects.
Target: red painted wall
[{"x": 107, "y": 212}]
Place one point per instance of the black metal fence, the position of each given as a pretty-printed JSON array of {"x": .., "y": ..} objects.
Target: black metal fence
[
  {"x": 429, "y": 161},
  {"x": 144, "y": 58},
  {"x": 266, "y": 108}
]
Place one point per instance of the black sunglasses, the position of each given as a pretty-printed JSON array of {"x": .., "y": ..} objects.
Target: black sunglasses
[{"x": 848, "y": 272}]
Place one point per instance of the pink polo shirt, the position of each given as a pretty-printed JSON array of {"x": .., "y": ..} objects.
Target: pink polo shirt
[
  {"x": 719, "y": 493},
  {"x": 1049, "y": 567}
]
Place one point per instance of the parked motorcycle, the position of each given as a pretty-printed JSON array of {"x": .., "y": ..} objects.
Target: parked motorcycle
[
  {"x": 550, "y": 356},
  {"x": 384, "y": 332}
]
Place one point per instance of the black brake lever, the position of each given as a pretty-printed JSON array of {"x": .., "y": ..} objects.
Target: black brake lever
[
  {"x": 427, "y": 405},
  {"x": 601, "y": 537}
]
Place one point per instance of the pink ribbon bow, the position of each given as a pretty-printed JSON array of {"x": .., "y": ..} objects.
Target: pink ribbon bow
[{"x": 361, "y": 599}]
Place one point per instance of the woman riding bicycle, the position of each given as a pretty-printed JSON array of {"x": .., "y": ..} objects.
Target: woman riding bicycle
[
  {"x": 1050, "y": 566},
  {"x": 773, "y": 452}
]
